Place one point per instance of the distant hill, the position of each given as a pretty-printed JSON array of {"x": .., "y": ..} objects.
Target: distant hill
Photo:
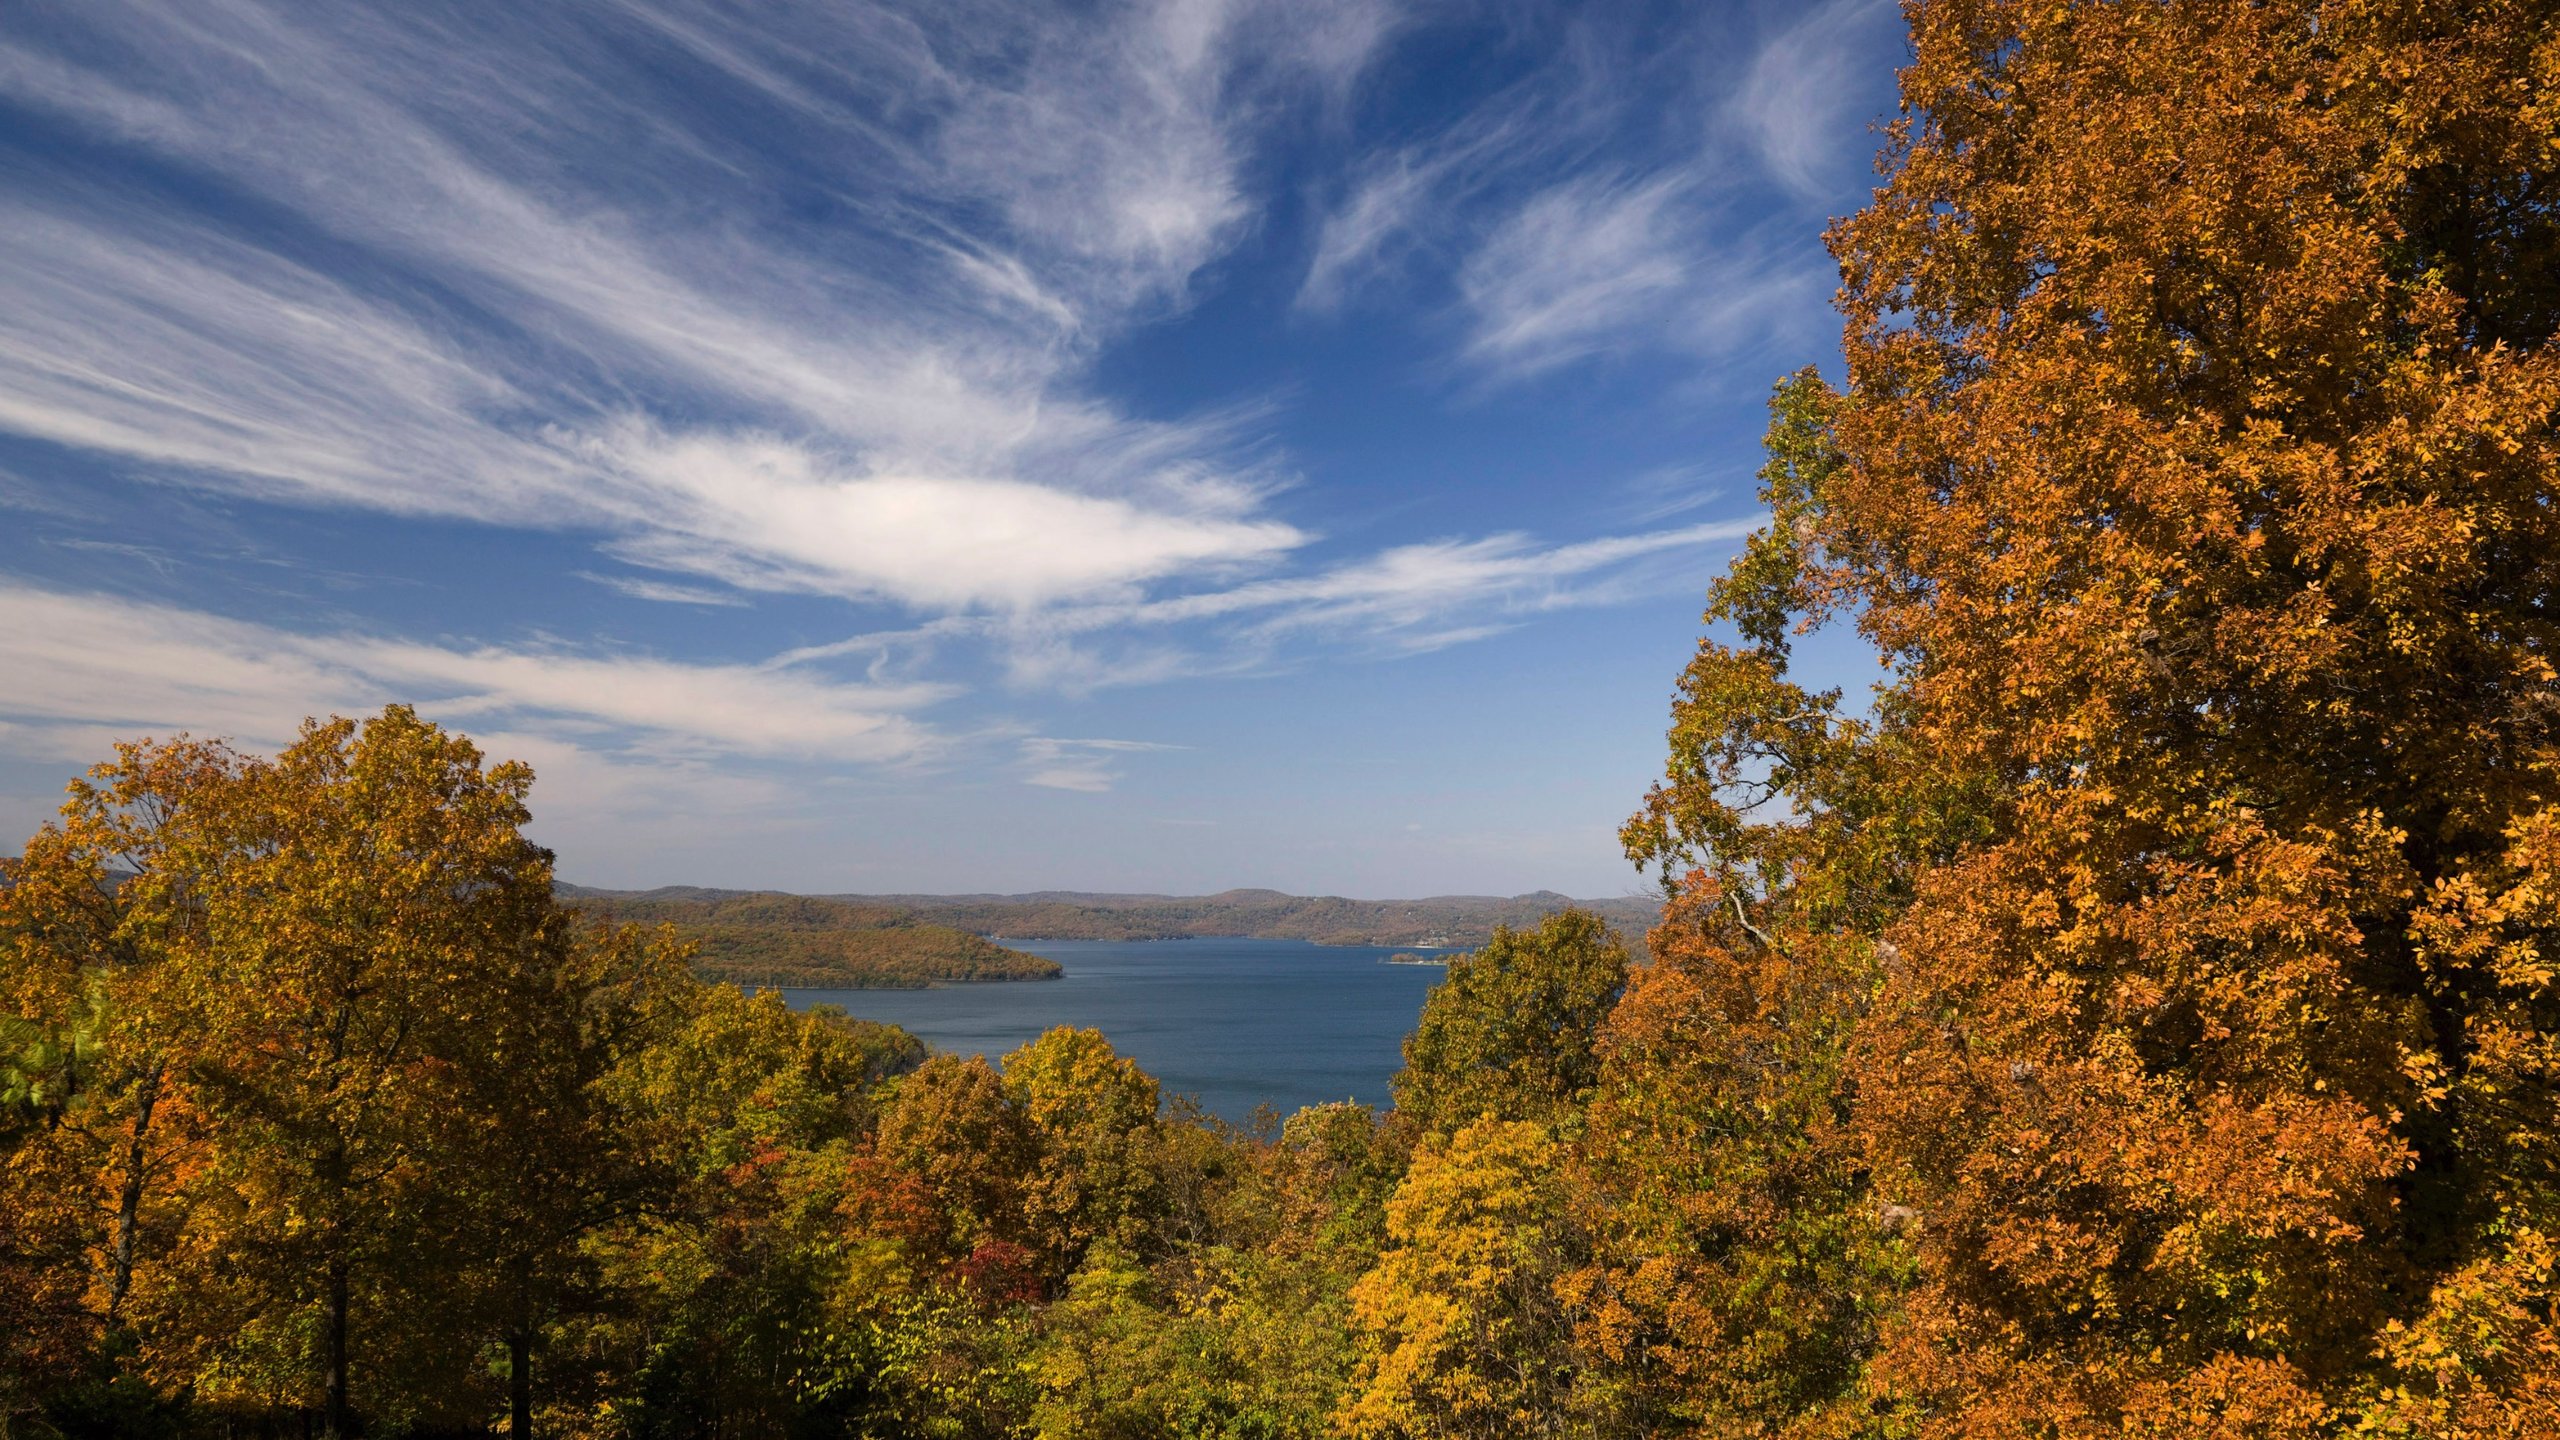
[
  {"x": 1459, "y": 920},
  {"x": 757, "y": 938},
  {"x": 1463, "y": 920}
]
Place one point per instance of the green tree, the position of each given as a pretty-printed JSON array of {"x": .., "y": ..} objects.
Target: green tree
[
  {"x": 1229, "y": 1345},
  {"x": 1742, "y": 1268},
  {"x": 1329, "y": 1179},
  {"x": 731, "y": 1308},
  {"x": 1509, "y": 1033}
]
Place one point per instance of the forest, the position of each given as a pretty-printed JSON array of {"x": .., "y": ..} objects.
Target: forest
[
  {"x": 2137, "y": 1016},
  {"x": 895, "y": 927},
  {"x": 1261, "y": 914},
  {"x": 758, "y": 938}
]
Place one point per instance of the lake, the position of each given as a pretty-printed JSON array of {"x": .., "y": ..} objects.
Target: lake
[{"x": 1234, "y": 1023}]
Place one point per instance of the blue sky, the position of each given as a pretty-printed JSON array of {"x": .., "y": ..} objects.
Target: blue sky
[{"x": 960, "y": 446}]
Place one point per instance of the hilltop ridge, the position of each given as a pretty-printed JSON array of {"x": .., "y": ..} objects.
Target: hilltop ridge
[{"x": 1457, "y": 920}]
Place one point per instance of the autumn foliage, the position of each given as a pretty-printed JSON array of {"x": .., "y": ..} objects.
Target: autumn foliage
[
  {"x": 2138, "y": 1014},
  {"x": 2176, "y": 903}
]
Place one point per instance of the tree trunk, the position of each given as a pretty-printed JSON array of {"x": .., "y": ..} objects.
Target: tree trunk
[
  {"x": 520, "y": 1386},
  {"x": 335, "y": 1423},
  {"x": 137, "y": 1156}
]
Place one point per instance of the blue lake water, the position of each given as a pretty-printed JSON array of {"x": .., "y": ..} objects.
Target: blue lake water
[{"x": 1235, "y": 1023}]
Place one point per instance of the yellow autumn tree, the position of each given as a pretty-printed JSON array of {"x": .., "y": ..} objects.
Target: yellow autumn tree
[
  {"x": 363, "y": 901},
  {"x": 99, "y": 1117},
  {"x": 1459, "y": 1329},
  {"x": 545, "y": 1150},
  {"x": 1091, "y": 1117}
]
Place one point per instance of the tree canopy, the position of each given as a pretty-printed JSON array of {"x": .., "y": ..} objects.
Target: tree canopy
[{"x": 2136, "y": 1016}]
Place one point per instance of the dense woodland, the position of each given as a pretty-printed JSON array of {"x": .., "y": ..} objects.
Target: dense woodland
[
  {"x": 1261, "y": 914},
  {"x": 757, "y": 938},
  {"x": 2139, "y": 1017},
  {"x": 891, "y": 942}
]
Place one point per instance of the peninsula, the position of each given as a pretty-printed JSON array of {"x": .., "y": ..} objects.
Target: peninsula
[{"x": 758, "y": 938}]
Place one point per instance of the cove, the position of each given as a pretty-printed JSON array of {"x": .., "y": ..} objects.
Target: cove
[{"x": 1234, "y": 1023}]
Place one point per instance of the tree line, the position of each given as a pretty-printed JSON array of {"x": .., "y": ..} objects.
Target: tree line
[
  {"x": 325, "y": 1115},
  {"x": 812, "y": 942},
  {"x": 2137, "y": 1016}
]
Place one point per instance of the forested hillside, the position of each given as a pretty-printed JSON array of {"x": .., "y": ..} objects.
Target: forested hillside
[
  {"x": 1261, "y": 914},
  {"x": 761, "y": 938},
  {"x": 1258, "y": 914},
  {"x": 2138, "y": 1018}
]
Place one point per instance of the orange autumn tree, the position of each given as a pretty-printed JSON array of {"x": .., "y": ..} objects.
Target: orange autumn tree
[
  {"x": 365, "y": 905},
  {"x": 1740, "y": 1266},
  {"x": 2193, "y": 943},
  {"x": 95, "y": 1119},
  {"x": 298, "y": 1072}
]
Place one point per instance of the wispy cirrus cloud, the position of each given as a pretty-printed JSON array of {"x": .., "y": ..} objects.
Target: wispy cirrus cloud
[
  {"x": 1574, "y": 266},
  {"x": 1430, "y": 595},
  {"x": 454, "y": 307},
  {"x": 1378, "y": 216},
  {"x": 1406, "y": 600},
  {"x": 195, "y": 354},
  {"x": 1796, "y": 105},
  {"x": 1594, "y": 264},
  {"x": 1418, "y": 199},
  {"x": 802, "y": 299},
  {"x": 1085, "y": 766},
  {"x": 664, "y": 592},
  {"x": 656, "y": 348},
  {"x": 115, "y": 667},
  {"x": 1565, "y": 243},
  {"x": 638, "y": 757}
]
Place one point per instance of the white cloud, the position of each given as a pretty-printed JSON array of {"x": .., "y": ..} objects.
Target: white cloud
[
  {"x": 1379, "y": 213},
  {"x": 1110, "y": 150},
  {"x": 504, "y": 275},
  {"x": 1795, "y": 104},
  {"x": 1573, "y": 238},
  {"x": 1573, "y": 266},
  {"x": 663, "y": 592},
  {"x": 636, "y": 810},
  {"x": 1664, "y": 491},
  {"x": 647, "y": 767},
  {"x": 761, "y": 511},
  {"x": 1080, "y": 765},
  {"x": 1595, "y": 264},
  {"x": 1406, "y": 600},
  {"x": 1409, "y": 200},
  {"x": 216, "y": 357},
  {"x": 1427, "y": 595},
  {"x": 557, "y": 272},
  {"x": 113, "y": 668}
]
